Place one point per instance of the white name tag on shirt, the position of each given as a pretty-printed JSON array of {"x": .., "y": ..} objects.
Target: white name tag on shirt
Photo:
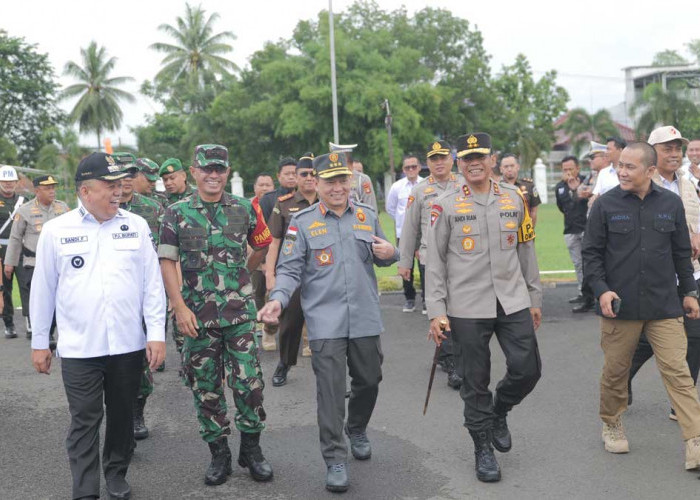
[
  {"x": 121, "y": 236},
  {"x": 73, "y": 239}
]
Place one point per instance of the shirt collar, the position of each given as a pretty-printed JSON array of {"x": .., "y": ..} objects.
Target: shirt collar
[
  {"x": 325, "y": 210},
  {"x": 196, "y": 200}
]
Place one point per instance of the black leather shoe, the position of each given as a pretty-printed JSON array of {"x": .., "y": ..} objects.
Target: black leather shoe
[
  {"x": 10, "y": 332},
  {"x": 251, "y": 456},
  {"x": 280, "y": 376},
  {"x": 337, "y": 478},
  {"x": 584, "y": 307},
  {"x": 577, "y": 300},
  {"x": 486, "y": 465},
  {"x": 453, "y": 380},
  {"x": 359, "y": 444},
  {"x": 161, "y": 368},
  {"x": 117, "y": 487},
  {"x": 500, "y": 435},
  {"x": 220, "y": 466},
  {"x": 140, "y": 429}
]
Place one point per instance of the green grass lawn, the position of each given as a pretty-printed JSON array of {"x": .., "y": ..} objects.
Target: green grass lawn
[{"x": 552, "y": 254}]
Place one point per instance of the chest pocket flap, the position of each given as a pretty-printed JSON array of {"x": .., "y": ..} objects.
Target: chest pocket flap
[{"x": 620, "y": 223}]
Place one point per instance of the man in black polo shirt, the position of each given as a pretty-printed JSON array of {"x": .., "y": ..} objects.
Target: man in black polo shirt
[
  {"x": 636, "y": 244},
  {"x": 574, "y": 209}
]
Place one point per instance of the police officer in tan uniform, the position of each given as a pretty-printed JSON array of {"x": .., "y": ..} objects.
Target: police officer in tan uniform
[
  {"x": 28, "y": 222},
  {"x": 482, "y": 278},
  {"x": 415, "y": 231},
  {"x": 510, "y": 168}
]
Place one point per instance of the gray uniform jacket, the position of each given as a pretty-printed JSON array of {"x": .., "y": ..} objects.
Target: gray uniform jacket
[
  {"x": 361, "y": 190},
  {"x": 29, "y": 220},
  {"x": 480, "y": 253},
  {"x": 415, "y": 226},
  {"x": 331, "y": 258}
]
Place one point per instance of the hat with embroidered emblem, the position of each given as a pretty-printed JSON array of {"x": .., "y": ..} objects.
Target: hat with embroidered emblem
[
  {"x": 169, "y": 166},
  {"x": 44, "y": 180},
  {"x": 666, "y": 134},
  {"x": 210, "y": 154},
  {"x": 101, "y": 166},
  {"x": 475, "y": 143},
  {"x": 440, "y": 147},
  {"x": 148, "y": 167},
  {"x": 306, "y": 161},
  {"x": 331, "y": 165}
]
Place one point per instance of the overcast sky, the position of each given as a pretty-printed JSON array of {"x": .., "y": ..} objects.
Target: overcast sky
[{"x": 588, "y": 43}]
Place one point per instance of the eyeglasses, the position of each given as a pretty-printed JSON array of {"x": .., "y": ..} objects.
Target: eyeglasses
[
  {"x": 411, "y": 167},
  {"x": 307, "y": 173},
  {"x": 213, "y": 169}
]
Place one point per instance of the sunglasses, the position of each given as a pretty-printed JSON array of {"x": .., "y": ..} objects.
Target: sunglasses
[
  {"x": 307, "y": 173},
  {"x": 213, "y": 169},
  {"x": 411, "y": 167}
]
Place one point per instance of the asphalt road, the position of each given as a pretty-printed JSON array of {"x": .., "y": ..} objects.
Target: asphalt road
[{"x": 557, "y": 451}]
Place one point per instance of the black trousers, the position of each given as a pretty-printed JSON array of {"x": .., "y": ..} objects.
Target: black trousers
[
  {"x": 363, "y": 357},
  {"x": 290, "y": 330},
  {"x": 24, "y": 280},
  {"x": 516, "y": 335},
  {"x": 409, "y": 290},
  {"x": 88, "y": 382}
]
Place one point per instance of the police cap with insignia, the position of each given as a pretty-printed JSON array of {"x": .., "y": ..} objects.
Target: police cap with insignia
[
  {"x": 148, "y": 168},
  {"x": 306, "y": 161},
  {"x": 597, "y": 148},
  {"x": 475, "y": 143},
  {"x": 440, "y": 147},
  {"x": 210, "y": 154},
  {"x": 169, "y": 166},
  {"x": 331, "y": 165},
  {"x": 99, "y": 166},
  {"x": 44, "y": 180}
]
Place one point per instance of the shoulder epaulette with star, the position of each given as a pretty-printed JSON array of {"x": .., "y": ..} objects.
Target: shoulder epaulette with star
[{"x": 285, "y": 196}]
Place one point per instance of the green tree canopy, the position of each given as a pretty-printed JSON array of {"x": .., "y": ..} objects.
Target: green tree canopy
[
  {"x": 27, "y": 99},
  {"x": 97, "y": 109},
  {"x": 657, "y": 107},
  {"x": 668, "y": 58}
]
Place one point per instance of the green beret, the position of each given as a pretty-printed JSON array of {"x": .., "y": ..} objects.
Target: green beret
[{"x": 169, "y": 166}]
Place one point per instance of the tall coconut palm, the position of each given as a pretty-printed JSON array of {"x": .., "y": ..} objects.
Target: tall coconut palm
[
  {"x": 582, "y": 127},
  {"x": 196, "y": 56},
  {"x": 656, "y": 107},
  {"x": 98, "y": 107}
]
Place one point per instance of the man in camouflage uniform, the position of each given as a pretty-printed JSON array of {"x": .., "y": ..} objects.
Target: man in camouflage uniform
[
  {"x": 510, "y": 167},
  {"x": 415, "y": 232},
  {"x": 361, "y": 189},
  {"x": 207, "y": 233},
  {"x": 152, "y": 211},
  {"x": 175, "y": 181},
  {"x": 28, "y": 222},
  {"x": 292, "y": 321},
  {"x": 10, "y": 202},
  {"x": 146, "y": 178}
]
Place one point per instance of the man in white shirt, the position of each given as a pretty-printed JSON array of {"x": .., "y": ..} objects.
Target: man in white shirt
[
  {"x": 692, "y": 173},
  {"x": 96, "y": 266},
  {"x": 396, "y": 202},
  {"x": 607, "y": 177}
]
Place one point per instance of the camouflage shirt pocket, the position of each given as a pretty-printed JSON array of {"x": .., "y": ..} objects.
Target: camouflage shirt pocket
[{"x": 194, "y": 246}]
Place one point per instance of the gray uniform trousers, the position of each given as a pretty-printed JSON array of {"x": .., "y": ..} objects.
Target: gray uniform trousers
[{"x": 364, "y": 359}]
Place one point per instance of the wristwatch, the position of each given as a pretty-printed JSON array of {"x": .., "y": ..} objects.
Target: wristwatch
[{"x": 693, "y": 293}]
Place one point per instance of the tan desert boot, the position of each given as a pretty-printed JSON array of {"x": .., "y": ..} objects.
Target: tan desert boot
[
  {"x": 614, "y": 438},
  {"x": 692, "y": 453}
]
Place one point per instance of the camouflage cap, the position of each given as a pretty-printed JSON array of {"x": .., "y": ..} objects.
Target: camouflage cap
[
  {"x": 148, "y": 167},
  {"x": 331, "y": 165},
  {"x": 210, "y": 154},
  {"x": 169, "y": 166},
  {"x": 123, "y": 158}
]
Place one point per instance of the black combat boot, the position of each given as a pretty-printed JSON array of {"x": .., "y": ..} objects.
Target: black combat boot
[
  {"x": 220, "y": 467},
  {"x": 487, "y": 468},
  {"x": 453, "y": 380},
  {"x": 500, "y": 434},
  {"x": 140, "y": 429},
  {"x": 251, "y": 456}
]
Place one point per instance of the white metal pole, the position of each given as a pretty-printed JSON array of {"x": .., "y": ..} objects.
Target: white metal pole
[{"x": 334, "y": 91}]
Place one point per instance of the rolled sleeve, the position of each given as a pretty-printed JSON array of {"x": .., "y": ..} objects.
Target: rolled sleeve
[{"x": 169, "y": 245}]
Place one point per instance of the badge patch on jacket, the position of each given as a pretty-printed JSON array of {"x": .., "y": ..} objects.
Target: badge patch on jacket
[{"x": 324, "y": 257}]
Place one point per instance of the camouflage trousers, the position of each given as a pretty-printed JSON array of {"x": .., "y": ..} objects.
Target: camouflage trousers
[
  {"x": 146, "y": 383},
  {"x": 225, "y": 353}
]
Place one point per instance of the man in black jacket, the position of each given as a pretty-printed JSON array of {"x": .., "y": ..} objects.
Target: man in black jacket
[
  {"x": 574, "y": 210},
  {"x": 636, "y": 254}
]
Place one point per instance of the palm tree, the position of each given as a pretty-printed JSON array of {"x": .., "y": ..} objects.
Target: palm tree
[
  {"x": 656, "y": 107},
  {"x": 195, "y": 57},
  {"x": 98, "y": 108},
  {"x": 582, "y": 127}
]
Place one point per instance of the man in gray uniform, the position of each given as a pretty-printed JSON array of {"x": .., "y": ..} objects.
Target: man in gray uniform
[
  {"x": 330, "y": 250},
  {"x": 361, "y": 189},
  {"x": 29, "y": 220},
  {"x": 482, "y": 277},
  {"x": 415, "y": 231}
]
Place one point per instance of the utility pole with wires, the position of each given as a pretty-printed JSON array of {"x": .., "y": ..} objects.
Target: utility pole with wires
[{"x": 387, "y": 122}]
